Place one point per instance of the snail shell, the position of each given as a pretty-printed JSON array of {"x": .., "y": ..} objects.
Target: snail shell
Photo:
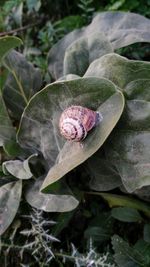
[{"x": 76, "y": 121}]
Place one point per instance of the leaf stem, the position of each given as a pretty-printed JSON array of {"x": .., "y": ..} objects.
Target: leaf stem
[{"x": 20, "y": 87}]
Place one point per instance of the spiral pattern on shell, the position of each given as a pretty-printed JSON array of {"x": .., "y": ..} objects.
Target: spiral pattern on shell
[{"x": 76, "y": 121}]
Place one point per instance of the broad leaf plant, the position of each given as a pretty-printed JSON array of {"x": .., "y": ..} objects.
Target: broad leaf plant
[{"x": 37, "y": 163}]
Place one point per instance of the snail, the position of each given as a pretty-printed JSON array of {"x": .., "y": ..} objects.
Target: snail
[{"x": 76, "y": 121}]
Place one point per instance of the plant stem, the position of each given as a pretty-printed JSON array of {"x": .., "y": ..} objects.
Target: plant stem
[{"x": 19, "y": 29}]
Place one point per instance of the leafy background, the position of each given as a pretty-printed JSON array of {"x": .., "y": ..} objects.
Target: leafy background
[{"x": 105, "y": 229}]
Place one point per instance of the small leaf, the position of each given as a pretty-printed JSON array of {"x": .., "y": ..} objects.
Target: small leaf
[
  {"x": 20, "y": 84},
  {"x": 19, "y": 169},
  {"x": 10, "y": 195},
  {"x": 97, "y": 234},
  {"x": 126, "y": 214},
  {"x": 7, "y": 43},
  {"x": 125, "y": 201},
  {"x": 33, "y": 5},
  {"x": 53, "y": 202},
  {"x": 17, "y": 14}
]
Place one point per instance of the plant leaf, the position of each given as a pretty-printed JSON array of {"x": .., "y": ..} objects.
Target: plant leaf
[
  {"x": 128, "y": 148},
  {"x": 20, "y": 84},
  {"x": 7, "y": 131},
  {"x": 10, "y": 195},
  {"x": 126, "y": 255},
  {"x": 72, "y": 154},
  {"x": 53, "y": 202},
  {"x": 7, "y": 43},
  {"x": 39, "y": 126},
  {"x": 121, "y": 29},
  {"x": 17, "y": 168},
  {"x": 120, "y": 70},
  {"x": 126, "y": 214},
  {"x": 103, "y": 176},
  {"x": 125, "y": 201},
  {"x": 143, "y": 248},
  {"x": 85, "y": 50}
]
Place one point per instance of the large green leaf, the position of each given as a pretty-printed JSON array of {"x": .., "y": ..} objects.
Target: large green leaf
[
  {"x": 121, "y": 29},
  {"x": 23, "y": 81},
  {"x": 85, "y": 50},
  {"x": 7, "y": 132},
  {"x": 10, "y": 195},
  {"x": 39, "y": 126},
  {"x": 118, "y": 69},
  {"x": 52, "y": 202},
  {"x": 7, "y": 43},
  {"x": 128, "y": 148}
]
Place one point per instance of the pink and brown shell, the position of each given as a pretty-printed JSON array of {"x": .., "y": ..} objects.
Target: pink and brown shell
[{"x": 76, "y": 121}]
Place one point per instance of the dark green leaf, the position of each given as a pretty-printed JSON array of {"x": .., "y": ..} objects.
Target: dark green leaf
[
  {"x": 126, "y": 214},
  {"x": 126, "y": 256},
  {"x": 7, "y": 43},
  {"x": 144, "y": 248},
  {"x": 23, "y": 81}
]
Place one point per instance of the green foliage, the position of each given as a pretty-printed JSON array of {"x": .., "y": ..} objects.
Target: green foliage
[
  {"x": 114, "y": 155},
  {"x": 125, "y": 255},
  {"x": 128, "y": 29},
  {"x": 125, "y": 5},
  {"x": 87, "y": 9}
]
